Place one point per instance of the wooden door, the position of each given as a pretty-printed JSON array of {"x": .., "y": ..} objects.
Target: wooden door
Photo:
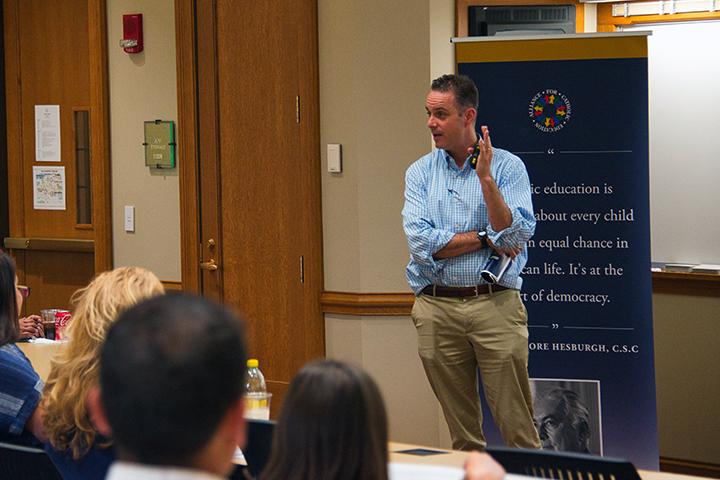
[
  {"x": 55, "y": 54},
  {"x": 259, "y": 175}
]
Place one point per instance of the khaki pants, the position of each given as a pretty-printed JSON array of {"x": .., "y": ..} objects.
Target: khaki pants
[{"x": 457, "y": 336}]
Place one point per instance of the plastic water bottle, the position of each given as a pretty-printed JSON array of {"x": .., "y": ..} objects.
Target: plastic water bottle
[
  {"x": 254, "y": 380},
  {"x": 257, "y": 400}
]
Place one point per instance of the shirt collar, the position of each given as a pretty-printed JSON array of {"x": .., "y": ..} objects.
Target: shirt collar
[
  {"x": 451, "y": 162},
  {"x": 122, "y": 470}
]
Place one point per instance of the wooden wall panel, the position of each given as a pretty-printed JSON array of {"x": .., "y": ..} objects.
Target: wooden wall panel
[
  {"x": 100, "y": 134},
  {"x": 15, "y": 169},
  {"x": 54, "y": 69},
  {"x": 50, "y": 280},
  {"x": 56, "y": 54},
  {"x": 187, "y": 143}
]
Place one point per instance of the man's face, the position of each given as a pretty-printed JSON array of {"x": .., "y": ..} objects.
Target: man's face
[
  {"x": 445, "y": 121},
  {"x": 555, "y": 427}
]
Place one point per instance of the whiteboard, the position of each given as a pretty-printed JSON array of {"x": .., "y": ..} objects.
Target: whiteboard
[{"x": 684, "y": 108}]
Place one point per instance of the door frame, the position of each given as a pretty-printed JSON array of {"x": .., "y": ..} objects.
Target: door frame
[{"x": 187, "y": 144}]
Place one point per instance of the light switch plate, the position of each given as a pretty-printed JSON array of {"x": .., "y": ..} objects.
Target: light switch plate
[
  {"x": 334, "y": 157},
  {"x": 129, "y": 218}
]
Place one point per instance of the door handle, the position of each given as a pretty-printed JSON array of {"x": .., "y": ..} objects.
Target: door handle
[{"x": 210, "y": 266}]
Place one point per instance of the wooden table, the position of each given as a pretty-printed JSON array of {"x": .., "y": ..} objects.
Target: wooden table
[
  {"x": 451, "y": 458},
  {"x": 40, "y": 355},
  {"x": 455, "y": 458}
]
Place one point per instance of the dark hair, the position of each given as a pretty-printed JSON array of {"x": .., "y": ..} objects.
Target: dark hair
[
  {"x": 464, "y": 89},
  {"x": 170, "y": 369},
  {"x": 9, "y": 328},
  {"x": 333, "y": 425}
]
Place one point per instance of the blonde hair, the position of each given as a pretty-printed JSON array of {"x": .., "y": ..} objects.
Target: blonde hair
[{"x": 76, "y": 367}]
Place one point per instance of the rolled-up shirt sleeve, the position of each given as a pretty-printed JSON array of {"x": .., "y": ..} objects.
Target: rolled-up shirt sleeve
[
  {"x": 514, "y": 185},
  {"x": 424, "y": 239}
]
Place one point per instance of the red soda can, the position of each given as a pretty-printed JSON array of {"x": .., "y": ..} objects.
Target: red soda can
[{"x": 62, "y": 318}]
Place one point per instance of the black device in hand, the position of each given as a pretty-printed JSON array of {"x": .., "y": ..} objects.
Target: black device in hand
[{"x": 475, "y": 154}]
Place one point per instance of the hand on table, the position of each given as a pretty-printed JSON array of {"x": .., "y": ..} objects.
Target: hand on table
[
  {"x": 31, "y": 327},
  {"x": 481, "y": 466}
]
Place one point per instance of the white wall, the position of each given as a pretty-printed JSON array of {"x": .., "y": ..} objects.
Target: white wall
[
  {"x": 683, "y": 71},
  {"x": 143, "y": 87}
]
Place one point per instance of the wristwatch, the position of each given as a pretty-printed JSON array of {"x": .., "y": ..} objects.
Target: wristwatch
[{"x": 482, "y": 236}]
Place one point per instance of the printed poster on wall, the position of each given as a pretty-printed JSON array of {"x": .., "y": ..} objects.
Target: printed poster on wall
[
  {"x": 575, "y": 110},
  {"x": 47, "y": 133},
  {"x": 49, "y": 188}
]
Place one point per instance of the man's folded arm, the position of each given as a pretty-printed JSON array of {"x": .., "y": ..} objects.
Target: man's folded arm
[
  {"x": 460, "y": 244},
  {"x": 424, "y": 240}
]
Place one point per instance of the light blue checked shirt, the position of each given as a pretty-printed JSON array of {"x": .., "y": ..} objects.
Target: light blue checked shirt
[{"x": 442, "y": 200}]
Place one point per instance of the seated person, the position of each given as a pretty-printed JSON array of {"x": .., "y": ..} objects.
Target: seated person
[
  {"x": 73, "y": 445},
  {"x": 172, "y": 378},
  {"x": 333, "y": 426},
  {"x": 20, "y": 386}
]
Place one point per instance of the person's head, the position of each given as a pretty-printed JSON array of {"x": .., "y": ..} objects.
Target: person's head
[
  {"x": 172, "y": 376},
  {"x": 562, "y": 421},
  {"x": 451, "y": 107},
  {"x": 10, "y": 300},
  {"x": 333, "y": 425},
  {"x": 75, "y": 370}
]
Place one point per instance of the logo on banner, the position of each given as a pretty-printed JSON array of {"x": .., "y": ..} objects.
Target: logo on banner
[{"x": 550, "y": 110}]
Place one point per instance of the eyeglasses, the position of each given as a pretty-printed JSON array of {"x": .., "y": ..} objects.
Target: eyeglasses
[{"x": 24, "y": 291}]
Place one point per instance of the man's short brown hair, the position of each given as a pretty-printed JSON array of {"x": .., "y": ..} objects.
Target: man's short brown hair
[{"x": 464, "y": 89}]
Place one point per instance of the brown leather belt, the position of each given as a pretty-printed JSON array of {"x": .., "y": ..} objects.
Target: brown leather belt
[{"x": 440, "y": 291}]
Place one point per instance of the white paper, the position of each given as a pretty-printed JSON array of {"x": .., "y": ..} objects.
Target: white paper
[
  {"x": 419, "y": 471},
  {"x": 238, "y": 456},
  {"x": 707, "y": 268},
  {"x": 49, "y": 188},
  {"x": 47, "y": 133},
  {"x": 416, "y": 471}
]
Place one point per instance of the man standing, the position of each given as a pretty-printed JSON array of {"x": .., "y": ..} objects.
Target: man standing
[
  {"x": 172, "y": 377},
  {"x": 454, "y": 217}
]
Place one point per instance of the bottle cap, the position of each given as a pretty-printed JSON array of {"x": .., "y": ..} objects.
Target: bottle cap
[{"x": 252, "y": 363}]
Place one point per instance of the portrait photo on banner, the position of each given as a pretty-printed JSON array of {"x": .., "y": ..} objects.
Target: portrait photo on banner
[{"x": 568, "y": 415}]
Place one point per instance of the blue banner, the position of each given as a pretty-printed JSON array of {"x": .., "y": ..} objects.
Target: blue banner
[{"x": 581, "y": 127}]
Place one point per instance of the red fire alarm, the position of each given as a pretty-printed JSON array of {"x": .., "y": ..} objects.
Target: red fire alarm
[{"x": 132, "y": 41}]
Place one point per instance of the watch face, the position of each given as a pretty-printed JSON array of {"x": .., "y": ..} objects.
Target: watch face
[{"x": 482, "y": 236}]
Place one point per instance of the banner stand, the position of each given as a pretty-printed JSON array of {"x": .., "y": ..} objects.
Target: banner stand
[{"x": 574, "y": 108}]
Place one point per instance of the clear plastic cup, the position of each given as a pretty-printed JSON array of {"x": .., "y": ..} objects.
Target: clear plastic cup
[
  {"x": 48, "y": 320},
  {"x": 257, "y": 405}
]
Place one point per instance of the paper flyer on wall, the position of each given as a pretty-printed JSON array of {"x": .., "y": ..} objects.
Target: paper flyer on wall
[
  {"x": 47, "y": 133},
  {"x": 49, "y": 188}
]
